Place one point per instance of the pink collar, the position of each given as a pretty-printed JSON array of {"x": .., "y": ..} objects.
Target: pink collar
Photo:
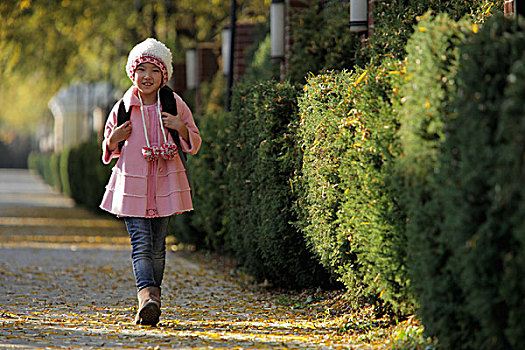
[{"x": 130, "y": 98}]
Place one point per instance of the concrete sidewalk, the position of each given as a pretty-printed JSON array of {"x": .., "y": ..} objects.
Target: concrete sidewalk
[{"x": 67, "y": 282}]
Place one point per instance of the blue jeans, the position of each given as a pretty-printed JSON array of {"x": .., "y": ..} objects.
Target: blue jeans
[{"x": 148, "y": 253}]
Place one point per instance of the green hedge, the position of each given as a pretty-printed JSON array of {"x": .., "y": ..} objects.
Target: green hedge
[
  {"x": 209, "y": 174},
  {"x": 64, "y": 174},
  {"x": 321, "y": 38},
  {"x": 394, "y": 21},
  {"x": 261, "y": 159},
  {"x": 204, "y": 227},
  {"x": 351, "y": 212},
  {"x": 480, "y": 181},
  {"x": 510, "y": 174},
  {"x": 77, "y": 172},
  {"x": 87, "y": 174},
  {"x": 54, "y": 164},
  {"x": 430, "y": 87},
  {"x": 41, "y": 164}
]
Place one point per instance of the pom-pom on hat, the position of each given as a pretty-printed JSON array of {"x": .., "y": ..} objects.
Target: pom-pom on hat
[{"x": 152, "y": 51}]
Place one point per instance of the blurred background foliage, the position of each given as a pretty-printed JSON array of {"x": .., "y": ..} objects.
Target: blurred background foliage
[
  {"x": 45, "y": 45},
  {"x": 321, "y": 39}
]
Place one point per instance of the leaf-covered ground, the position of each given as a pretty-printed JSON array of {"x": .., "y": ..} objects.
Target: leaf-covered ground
[{"x": 66, "y": 282}]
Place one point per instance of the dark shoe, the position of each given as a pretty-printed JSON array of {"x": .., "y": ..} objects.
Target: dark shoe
[{"x": 149, "y": 306}]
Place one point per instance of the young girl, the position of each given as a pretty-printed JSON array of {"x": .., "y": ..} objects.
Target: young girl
[{"x": 148, "y": 184}]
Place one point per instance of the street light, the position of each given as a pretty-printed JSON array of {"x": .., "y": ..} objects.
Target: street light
[
  {"x": 226, "y": 48},
  {"x": 277, "y": 11},
  {"x": 231, "y": 55},
  {"x": 358, "y": 15},
  {"x": 192, "y": 72}
]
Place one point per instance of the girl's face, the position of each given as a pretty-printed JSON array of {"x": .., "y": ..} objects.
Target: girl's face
[{"x": 148, "y": 78}]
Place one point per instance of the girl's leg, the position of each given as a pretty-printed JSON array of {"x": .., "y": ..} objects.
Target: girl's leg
[
  {"x": 143, "y": 256},
  {"x": 148, "y": 241},
  {"x": 159, "y": 230},
  {"x": 139, "y": 230}
]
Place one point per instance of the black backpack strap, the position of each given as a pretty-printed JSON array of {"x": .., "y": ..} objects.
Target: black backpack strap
[
  {"x": 169, "y": 104},
  {"x": 122, "y": 117}
]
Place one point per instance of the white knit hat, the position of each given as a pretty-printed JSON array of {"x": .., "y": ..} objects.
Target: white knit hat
[{"x": 152, "y": 51}]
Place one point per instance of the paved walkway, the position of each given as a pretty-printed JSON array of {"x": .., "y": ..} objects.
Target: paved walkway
[{"x": 66, "y": 282}]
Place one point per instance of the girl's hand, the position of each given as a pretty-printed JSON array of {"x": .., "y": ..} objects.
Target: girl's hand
[
  {"x": 120, "y": 133},
  {"x": 174, "y": 122}
]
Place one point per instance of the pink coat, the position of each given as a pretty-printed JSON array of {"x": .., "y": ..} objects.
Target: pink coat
[{"x": 126, "y": 191}]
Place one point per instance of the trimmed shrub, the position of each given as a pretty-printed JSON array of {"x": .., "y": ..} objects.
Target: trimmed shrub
[
  {"x": 430, "y": 87},
  {"x": 77, "y": 172},
  {"x": 182, "y": 227},
  {"x": 204, "y": 227},
  {"x": 54, "y": 164},
  {"x": 63, "y": 166},
  {"x": 32, "y": 162},
  {"x": 510, "y": 199},
  {"x": 480, "y": 242},
  {"x": 208, "y": 169},
  {"x": 394, "y": 21},
  {"x": 483, "y": 188},
  {"x": 261, "y": 161},
  {"x": 87, "y": 175},
  {"x": 42, "y": 164},
  {"x": 351, "y": 212}
]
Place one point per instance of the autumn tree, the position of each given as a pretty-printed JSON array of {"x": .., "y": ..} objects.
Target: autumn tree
[{"x": 45, "y": 45}]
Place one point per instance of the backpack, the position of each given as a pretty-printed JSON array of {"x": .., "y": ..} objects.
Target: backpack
[{"x": 169, "y": 104}]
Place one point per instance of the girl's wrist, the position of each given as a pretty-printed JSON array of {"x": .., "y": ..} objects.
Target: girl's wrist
[
  {"x": 181, "y": 128},
  {"x": 184, "y": 132},
  {"x": 112, "y": 144}
]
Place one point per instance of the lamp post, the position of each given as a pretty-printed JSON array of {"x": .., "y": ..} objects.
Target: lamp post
[
  {"x": 277, "y": 23},
  {"x": 192, "y": 71},
  {"x": 225, "y": 51},
  {"x": 231, "y": 56},
  {"x": 514, "y": 8},
  {"x": 358, "y": 15}
]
